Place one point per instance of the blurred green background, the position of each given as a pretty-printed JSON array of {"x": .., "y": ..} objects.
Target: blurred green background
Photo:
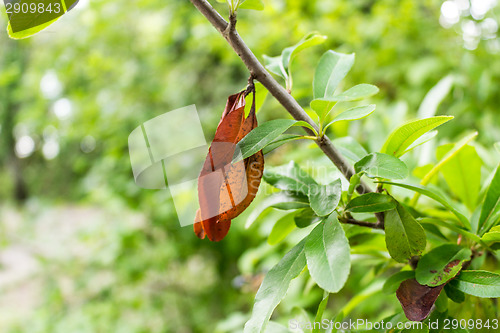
[{"x": 84, "y": 249}]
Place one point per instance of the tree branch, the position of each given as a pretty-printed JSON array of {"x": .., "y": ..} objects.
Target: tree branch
[
  {"x": 362, "y": 223},
  {"x": 258, "y": 71}
]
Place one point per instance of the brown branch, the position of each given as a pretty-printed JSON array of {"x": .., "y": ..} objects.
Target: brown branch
[
  {"x": 258, "y": 71},
  {"x": 377, "y": 225}
]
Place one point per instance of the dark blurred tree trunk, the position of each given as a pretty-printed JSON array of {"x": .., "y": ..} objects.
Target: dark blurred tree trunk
[{"x": 14, "y": 56}]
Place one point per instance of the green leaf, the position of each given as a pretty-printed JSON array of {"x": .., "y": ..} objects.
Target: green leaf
[
  {"x": 402, "y": 137},
  {"x": 420, "y": 141},
  {"x": 26, "y": 24},
  {"x": 252, "y": 4},
  {"x": 441, "y": 264},
  {"x": 355, "y": 113},
  {"x": 327, "y": 253},
  {"x": 350, "y": 148},
  {"x": 371, "y": 203},
  {"x": 280, "y": 200},
  {"x": 260, "y": 98},
  {"x": 281, "y": 229},
  {"x": 307, "y": 41},
  {"x": 263, "y": 135},
  {"x": 274, "y": 288},
  {"x": 281, "y": 65},
  {"x": 491, "y": 204},
  {"x": 275, "y": 66},
  {"x": 319, "y": 313},
  {"x": 290, "y": 178},
  {"x": 454, "y": 294},
  {"x": 332, "y": 68},
  {"x": 404, "y": 236},
  {"x": 433, "y": 195},
  {"x": 325, "y": 198},
  {"x": 492, "y": 236},
  {"x": 392, "y": 283},
  {"x": 382, "y": 166},
  {"x": 462, "y": 173},
  {"x": 305, "y": 217},
  {"x": 478, "y": 283},
  {"x": 280, "y": 141}
]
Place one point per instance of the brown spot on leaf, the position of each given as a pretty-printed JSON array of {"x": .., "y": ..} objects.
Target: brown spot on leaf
[{"x": 450, "y": 265}]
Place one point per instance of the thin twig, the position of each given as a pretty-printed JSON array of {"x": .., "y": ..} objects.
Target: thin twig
[
  {"x": 285, "y": 99},
  {"x": 362, "y": 223}
]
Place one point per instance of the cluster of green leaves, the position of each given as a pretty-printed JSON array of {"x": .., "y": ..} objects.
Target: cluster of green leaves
[{"x": 326, "y": 250}]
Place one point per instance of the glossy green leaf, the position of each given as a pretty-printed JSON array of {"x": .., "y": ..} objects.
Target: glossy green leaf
[
  {"x": 332, "y": 68},
  {"x": 404, "y": 236},
  {"x": 290, "y": 178},
  {"x": 325, "y": 198},
  {"x": 402, "y": 137},
  {"x": 280, "y": 141},
  {"x": 382, "y": 166},
  {"x": 350, "y": 148},
  {"x": 328, "y": 255},
  {"x": 281, "y": 229},
  {"x": 371, "y": 203},
  {"x": 358, "y": 112},
  {"x": 491, "y": 204},
  {"x": 462, "y": 173},
  {"x": 478, "y": 283},
  {"x": 433, "y": 195},
  {"x": 274, "y": 288},
  {"x": 441, "y": 264},
  {"x": 492, "y": 236},
  {"x": 26, "y": 24},
  {"x": 420, "y": 141},
  {"x": 263, "y": 135},
  {"x": 392, "y": 283},
  {"x": 305, "y": 217}
]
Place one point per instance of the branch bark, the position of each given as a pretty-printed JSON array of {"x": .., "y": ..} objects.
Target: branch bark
[{"x": 258, "y": 71}]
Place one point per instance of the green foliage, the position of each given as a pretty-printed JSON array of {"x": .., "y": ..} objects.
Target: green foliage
[
  {"x": 275, "y": 286},
  {"x": 441, "y": 264},
  {"x": 490, "y": 210},
  {"x": 325, "y": 198},
  {"x": 328, "y": 256},
  {"x": 402, "y": 137},
  {"x": 478, "y": 283},
  {"x": 382, "y": 166},
  {"x": 371, "y": 203},
  {"x": 404, "y": 236}
]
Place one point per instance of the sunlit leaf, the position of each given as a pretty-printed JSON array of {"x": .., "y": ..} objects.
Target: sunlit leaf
[
  {"x": 491, "y": 204},
  {"x": 462, "y": 173},
  {"x": 403, "y": 136},
  {"x": 332, "y": 68},
  {"x": 355, "y": 113},
  {"x": 382, "y": 166},
  {"x": 281, "y": 229}
]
